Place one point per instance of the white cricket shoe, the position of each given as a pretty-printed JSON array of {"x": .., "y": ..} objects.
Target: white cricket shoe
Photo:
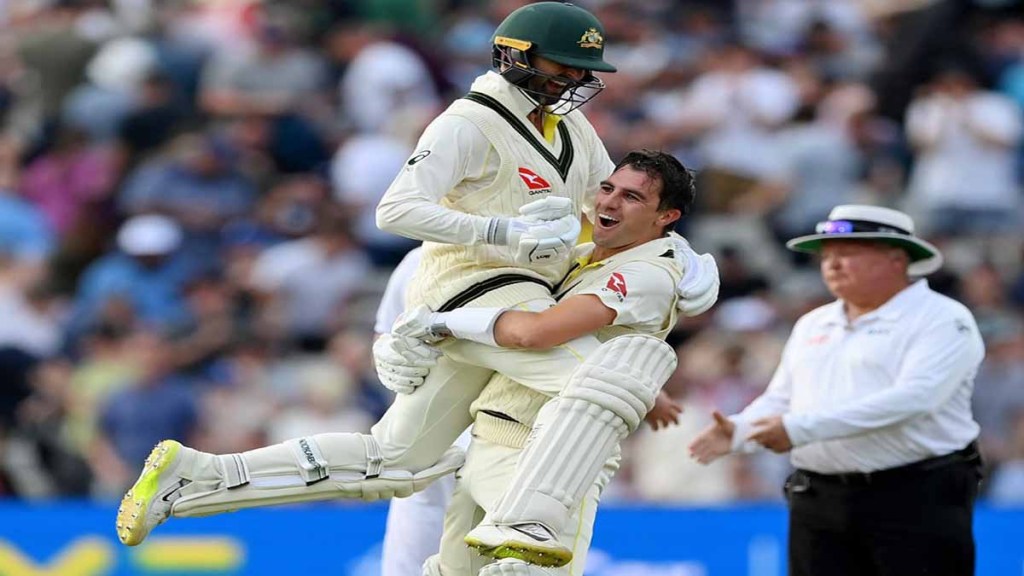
[
  {"x": 530, "y": 542},
  {"x": 148, "y": 503}
]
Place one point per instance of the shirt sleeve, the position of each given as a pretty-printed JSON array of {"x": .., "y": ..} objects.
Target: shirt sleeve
[
  {"x": 392, "y": 303},
  {"x": 774, "y": 401},
  {"x": 640, "y": 294},
  {"x": 451, "y": 150},
  {"x": 944, "y": 353}
]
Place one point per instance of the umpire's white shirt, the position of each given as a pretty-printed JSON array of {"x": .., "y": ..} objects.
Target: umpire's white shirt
[{"x": 891, "y": 388}]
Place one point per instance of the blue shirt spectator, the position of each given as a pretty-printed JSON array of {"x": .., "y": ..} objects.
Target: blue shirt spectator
[
  {"x": 148, "y": 272},
  {"x": 24, "y": 232},
  {"x": 135, "y": 419}
]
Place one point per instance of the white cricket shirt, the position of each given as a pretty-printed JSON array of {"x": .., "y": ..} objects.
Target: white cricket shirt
[
  {"x": 454, "y": 159},
  {"x": 891, "y": 388}
]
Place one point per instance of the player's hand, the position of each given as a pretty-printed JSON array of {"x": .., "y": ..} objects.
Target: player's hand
[
  {"x": 665, "y": 413},
  {"x": 402, "y": 364},
  {"x": 771, "y": 433},
  {"x": 714, "y": 441},
  {"x": 545, "y": 231},
  {"x": 549, "y": 208},
  {"x": 698, "y": 288},
  {"x": 422, "y": 324},
  {"x": 544, "y": 242}
]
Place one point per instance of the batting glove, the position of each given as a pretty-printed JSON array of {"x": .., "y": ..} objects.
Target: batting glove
[
  {"x": 402, "y": 364},
  {"x": 421, "y": 324},
  {"x": 698, "y": 288},
  {"x": 546, "y": 231}
]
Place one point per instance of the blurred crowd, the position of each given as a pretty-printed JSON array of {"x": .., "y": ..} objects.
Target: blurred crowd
[{"x": 187, "y": 247}]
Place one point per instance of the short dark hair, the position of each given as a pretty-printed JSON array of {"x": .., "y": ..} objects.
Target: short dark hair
[{"x": 678, "y": 188}]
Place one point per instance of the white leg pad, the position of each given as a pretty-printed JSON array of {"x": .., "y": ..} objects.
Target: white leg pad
[
  {"x": 513, "y": 567},
  {"x": 320, "y": 467},
  {"x": 606, "y": 398}
]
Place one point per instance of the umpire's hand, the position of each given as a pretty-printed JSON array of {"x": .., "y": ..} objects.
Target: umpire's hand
[
  {"x": 714, "y": 441},
  {"x": 771, "y": 433}
]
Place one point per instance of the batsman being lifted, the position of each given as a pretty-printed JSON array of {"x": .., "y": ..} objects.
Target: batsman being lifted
[{"x": 471, "y": 193}]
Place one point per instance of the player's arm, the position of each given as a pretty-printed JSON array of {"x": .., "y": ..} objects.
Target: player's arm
[
  {"x": 636, "y": 294},
  {"x": 571, "y": 318},
  {"x": 450, "y": 151}
]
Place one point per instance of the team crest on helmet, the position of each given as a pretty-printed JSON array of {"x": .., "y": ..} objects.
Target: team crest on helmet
[{"x": 591, "y": 39}]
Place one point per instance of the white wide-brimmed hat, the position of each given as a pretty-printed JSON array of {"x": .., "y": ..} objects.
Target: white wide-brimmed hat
[
  {"x": 149, "y": 235},
  {"x": 863, "y": 222}
]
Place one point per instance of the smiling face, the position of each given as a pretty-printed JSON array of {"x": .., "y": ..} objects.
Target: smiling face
[
  {"x": 627, "y": 212},
  {"x": 550, "y": 86}
]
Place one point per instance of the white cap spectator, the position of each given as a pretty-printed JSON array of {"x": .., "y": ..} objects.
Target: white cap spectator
[
  {"x": 149, "y": 235},
  {"x": 122, "y": 64}
]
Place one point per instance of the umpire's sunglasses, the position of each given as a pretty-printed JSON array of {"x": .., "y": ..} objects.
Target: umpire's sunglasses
[{"x": 851, "y": 226}]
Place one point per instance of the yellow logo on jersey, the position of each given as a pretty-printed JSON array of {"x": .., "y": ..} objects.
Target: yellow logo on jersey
[{"x": 591, "y": 39}]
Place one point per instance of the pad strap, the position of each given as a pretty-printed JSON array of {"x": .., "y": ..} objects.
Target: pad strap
[
  {"x": 313, "y": 466},
  {"x": 374, "y": 457},
  {"x": 236, "y": 470}
]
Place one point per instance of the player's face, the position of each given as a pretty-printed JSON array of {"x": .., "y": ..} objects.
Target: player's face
[
  {"x": 627, "y": 210},
  {"x": 553, "y": 88}
]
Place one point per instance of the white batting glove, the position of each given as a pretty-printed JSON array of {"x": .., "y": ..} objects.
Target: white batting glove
[
  {"x": 546, "y": 242},
  {"x": 550, "y": 208},
  {"x": 402, "y": 364},
  {"x": 698, "y": 288},
  {"x": 421, "y": 324},
  {"x": 545, "y": 231}
]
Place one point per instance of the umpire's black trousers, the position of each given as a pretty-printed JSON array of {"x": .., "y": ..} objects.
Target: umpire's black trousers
[{"x": 907, "y": 521}]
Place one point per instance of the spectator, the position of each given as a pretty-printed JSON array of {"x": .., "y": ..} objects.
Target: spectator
[
  {"x": 306, "y": 282},
  {"x": 147, "y": 273},
  {"x": 156, "y": 405},
  {"x": 964, "y": 179}
]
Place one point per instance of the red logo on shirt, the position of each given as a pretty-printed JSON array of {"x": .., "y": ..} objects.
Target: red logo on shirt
[
  {"x": 817, "y": 340},
  {"x": 533, "y": 182},
  {"x": 617, "y": 284}
]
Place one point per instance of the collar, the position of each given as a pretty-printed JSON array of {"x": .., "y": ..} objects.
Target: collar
[
  {"x": 583, "y": 252},
  {"x": 891, "y": 311},
  {"x": 655, "y": 247},
  {"x": 494, "y": 84}
]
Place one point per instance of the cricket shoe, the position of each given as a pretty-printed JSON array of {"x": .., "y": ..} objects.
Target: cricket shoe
[
  {"x": 148, "y": 503},
  {"x": 530, "y": 542}
]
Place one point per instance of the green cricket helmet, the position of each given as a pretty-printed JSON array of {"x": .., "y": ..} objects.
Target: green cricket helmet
[{"x": 561, "y": 32}]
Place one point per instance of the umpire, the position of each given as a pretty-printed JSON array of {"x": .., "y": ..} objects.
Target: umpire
[{"x": 873, "y": 398}]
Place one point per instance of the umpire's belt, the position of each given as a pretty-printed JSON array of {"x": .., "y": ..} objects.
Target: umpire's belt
[{"x": 969, "y": 454}]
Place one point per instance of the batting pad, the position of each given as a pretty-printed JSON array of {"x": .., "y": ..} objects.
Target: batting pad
[
  {"x": 605, "y": 399},
  {"x": 320, "y": 467}
]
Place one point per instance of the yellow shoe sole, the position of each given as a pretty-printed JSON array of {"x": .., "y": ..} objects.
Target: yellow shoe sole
[
  {"x": 131, "y": 514},
  {"x": 545, "y": 557}
]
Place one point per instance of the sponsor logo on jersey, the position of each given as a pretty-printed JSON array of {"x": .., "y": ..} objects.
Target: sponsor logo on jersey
[
  {"x": 418, "y": 157},
  {"x": 617, "y": 284},
  {"x": 534, "y": 183}
]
